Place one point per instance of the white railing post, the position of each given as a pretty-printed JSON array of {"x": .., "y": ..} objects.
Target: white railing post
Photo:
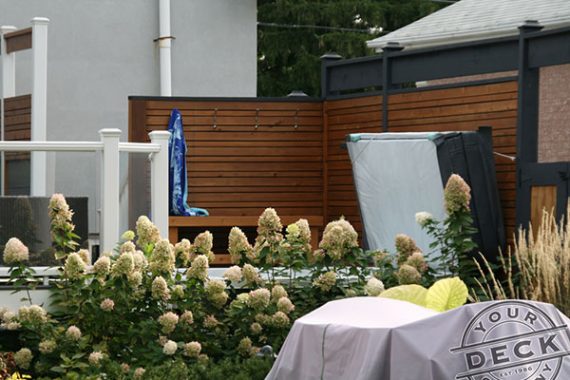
[
  {"x": 8, "y": 90},
  {"x": 159, "y": 182},
  {"x": 39, "y": 104},
  {"x": 110, "y": 189}
]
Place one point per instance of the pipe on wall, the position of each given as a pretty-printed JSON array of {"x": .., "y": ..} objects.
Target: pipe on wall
[
  {"x": 39, "y": 160},
  {"x": 164, "y": 45}
]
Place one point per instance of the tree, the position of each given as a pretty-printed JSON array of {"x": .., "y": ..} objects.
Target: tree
[{"x": 293, "y": 34}]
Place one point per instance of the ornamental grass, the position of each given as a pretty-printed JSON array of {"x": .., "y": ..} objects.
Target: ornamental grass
[{"x": 536, "y": 268}]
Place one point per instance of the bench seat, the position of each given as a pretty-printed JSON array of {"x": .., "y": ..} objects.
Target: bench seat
[{"x": 205, "y": 222}]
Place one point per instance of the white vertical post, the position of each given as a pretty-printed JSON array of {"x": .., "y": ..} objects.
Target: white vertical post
[
  {"x": 8, "y": 91},
  {"x": 164, "y": 45},
  {"x": 39, "y": 104},
  {"x": 159, "y": 182},
  {"x": 110, "y": 189}
]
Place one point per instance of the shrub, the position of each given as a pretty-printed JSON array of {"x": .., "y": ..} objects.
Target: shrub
[
  {"x": 133, "y": 315},
  {"x": 131, "y": 311},
  {"x": 453, "y": 236}
]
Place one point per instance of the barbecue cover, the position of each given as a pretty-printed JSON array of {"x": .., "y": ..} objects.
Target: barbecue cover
[{"x": 385, "y": 339}]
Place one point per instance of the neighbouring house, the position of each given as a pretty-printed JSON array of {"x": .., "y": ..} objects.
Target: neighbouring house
[
  {"x": 100, "y": 52},
  {"x": 476, "y": 20}
]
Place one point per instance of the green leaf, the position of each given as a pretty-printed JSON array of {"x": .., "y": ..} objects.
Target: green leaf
[
  {"x": 57, "y": 369},
  {"x": 415, "y": 294},
  {"x": 446, "y": 294}
]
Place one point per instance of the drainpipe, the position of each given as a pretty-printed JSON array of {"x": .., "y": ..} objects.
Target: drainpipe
[
  {"x": 164, "y": 44},
  {"x": 39, "y": 166}
]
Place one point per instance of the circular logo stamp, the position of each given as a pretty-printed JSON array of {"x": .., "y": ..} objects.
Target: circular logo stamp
[{"x": 513, "y": 340}]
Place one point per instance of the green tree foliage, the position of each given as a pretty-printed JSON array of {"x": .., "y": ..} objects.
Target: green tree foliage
[{"x": 289, "y": 50}]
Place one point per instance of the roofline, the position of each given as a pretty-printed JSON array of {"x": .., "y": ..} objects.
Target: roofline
[
  {"x": 284, "y": 99},
  {"x": 452, "y": 38}
]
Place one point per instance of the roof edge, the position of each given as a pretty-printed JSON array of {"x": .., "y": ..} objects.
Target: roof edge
[{"x": 452, "y": 38}]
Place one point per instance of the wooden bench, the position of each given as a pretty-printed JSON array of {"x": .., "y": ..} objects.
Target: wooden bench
[{"x": 205, "y": 222}]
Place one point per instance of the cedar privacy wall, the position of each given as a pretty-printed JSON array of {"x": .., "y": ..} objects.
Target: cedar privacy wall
[
  {"x": 248, "y": 154},
  {"x": 242, "y": 156}
]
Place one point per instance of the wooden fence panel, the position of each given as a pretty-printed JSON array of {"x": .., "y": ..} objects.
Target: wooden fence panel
[
  {"x": 244, "y": 156},
  {"x": 453, "y": 109}
]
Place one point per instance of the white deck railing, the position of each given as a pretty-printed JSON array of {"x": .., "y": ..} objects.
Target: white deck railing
[
  {"x": 45, "y": 276},
  {"x": 110, "y": 147}
]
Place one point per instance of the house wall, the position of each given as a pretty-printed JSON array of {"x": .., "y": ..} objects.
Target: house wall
[
  {"x": 554, "y": 116},
  {"x": 102, "y": 51}
]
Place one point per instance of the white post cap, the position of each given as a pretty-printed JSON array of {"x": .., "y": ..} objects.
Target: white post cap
[
  {"x": 40, "y": 21},
  {"x": 160, "y": 135},
  {"x": 7, "y": 28},
  {"x": 110, "y": 132}
]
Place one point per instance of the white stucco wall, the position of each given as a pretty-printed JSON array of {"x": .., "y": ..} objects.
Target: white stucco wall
[
  {"x": 215, "y": 50},
  {"x": 102, "y": 51}
]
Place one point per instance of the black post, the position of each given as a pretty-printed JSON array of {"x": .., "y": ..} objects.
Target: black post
[
  {"x": 527, "y": 118},
  {"x": 528, "y": 82},
  {"x": 387, "y": 79},
  {"x": 325, "y": 60}
]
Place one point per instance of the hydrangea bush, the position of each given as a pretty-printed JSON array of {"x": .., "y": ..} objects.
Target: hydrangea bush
[
  {"x": 453, "y": 237},
  {"x": 151, "y": 304}
]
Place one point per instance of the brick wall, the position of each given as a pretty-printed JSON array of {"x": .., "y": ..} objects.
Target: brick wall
[{"x": 554, "y": 114}]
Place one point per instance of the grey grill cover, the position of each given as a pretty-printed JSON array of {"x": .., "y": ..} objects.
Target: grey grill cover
[{"x": 384, "y": 339}]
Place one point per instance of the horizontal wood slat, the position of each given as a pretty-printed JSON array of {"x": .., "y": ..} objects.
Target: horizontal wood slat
[
  {"x": 459, "y": 92},
  {"x": 230, "y": 105},
  {"x": 18, "y": 40},
  {"x": 240, "y": 221}
]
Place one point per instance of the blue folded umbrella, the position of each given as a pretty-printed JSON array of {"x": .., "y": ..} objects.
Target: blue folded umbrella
[{"x": 177, "y": 176}]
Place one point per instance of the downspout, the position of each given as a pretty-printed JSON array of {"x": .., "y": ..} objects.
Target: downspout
[
  {"x": 164, "y": 45},
  {"x": 39, "y": 160}
]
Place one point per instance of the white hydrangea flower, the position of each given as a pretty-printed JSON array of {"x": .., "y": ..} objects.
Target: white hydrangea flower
[
  {"x": 170, "y": 348},
  {"x": 374, "y": 287},
  {"x": 423, "y": 218}
]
